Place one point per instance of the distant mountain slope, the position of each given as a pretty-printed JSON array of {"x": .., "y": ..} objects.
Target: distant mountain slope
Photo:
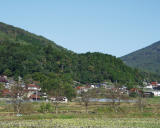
[
  {"x": 23, "y": 53},
  {"x": 147, "y": 59}
]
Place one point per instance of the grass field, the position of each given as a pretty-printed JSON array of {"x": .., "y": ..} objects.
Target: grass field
[{"x": 84, "y": 123}]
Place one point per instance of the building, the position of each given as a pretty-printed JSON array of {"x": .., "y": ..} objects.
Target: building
[
  {"x": 33, "y": 87},
  {"x": 3, "y": 79},
  {"x": 34, "y": 97},
  {"x": 60, "y": 99},
  {"x": 32, "y": 90}
]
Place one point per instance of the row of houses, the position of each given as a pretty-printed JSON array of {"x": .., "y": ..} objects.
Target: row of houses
[
  {"x": 149, "y": 89},
  {"x": 32, "y": 91},
  {"x": 80, "y": 89}
]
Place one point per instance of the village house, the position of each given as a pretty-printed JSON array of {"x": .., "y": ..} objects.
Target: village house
[
  {"x": 156, "y": 92},
  {"x": 33, "y": 87},
  {"x": 34, "y": 97},
  {"x": 82, "y": 89},
  {"x": 33, "y": 91},
  {"x": 153, "y": 87},
  {"x": 6, "y": 93},
  {"x": 60, "y": 99},
  {"x": 3, "y": 79}
]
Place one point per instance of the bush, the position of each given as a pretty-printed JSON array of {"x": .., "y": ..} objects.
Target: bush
[
  {"x": 45, "y": 107},
  {"x": 133, "y": 94}
]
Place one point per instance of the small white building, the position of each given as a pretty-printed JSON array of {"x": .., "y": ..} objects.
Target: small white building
[
  {"x": 149, "y": 86},
  {"x": 60, "y": 99},
  {"x": 156, "y": 92},
  {"x": 92, "y": 86},
  {"x": 33, "y": 87}
]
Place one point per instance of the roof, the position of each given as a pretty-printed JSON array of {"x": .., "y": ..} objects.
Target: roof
[
  {"x": 78, "y": 87},
  {"x": 33, "y": 85},
  {"x": 135, "y": 90},
  {"x": 5, "y": 92},
  {"x": 154, "y": 83},
  {"x": 34, "y": 96},
  {"x": 82, "y": 87}
]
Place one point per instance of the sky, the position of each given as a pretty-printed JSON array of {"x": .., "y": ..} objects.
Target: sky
[{"x": 115, "y": 27}]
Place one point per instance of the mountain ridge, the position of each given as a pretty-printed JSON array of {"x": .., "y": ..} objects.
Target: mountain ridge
[{"x": 147, "y": 58}]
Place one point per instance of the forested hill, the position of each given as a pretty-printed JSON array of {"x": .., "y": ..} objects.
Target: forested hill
[
  {"x": 23, "y": 53},
  {"x": 17, "y": 35},
  {"x": 147, "y": 59}
]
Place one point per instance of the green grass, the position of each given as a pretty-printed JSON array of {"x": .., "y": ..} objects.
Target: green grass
[{"x": 154, "y": 100}]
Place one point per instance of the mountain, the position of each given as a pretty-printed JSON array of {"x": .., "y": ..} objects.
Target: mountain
[
  {"x": 23, "y": 53},
  {"x": 147, "y": 59},
  {"x": 17, "y": 35}
]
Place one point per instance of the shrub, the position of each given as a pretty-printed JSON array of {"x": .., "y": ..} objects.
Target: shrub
[{"x": 45, "y": 107}]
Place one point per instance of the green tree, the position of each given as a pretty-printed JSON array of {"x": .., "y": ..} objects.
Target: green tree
[{"x": 7, "y": 72}]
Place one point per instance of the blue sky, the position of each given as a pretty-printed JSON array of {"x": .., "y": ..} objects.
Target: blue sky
[{"x": 115, "y": 27}]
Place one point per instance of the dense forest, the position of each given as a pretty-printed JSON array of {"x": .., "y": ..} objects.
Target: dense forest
[{"x": 26, "y": 54}]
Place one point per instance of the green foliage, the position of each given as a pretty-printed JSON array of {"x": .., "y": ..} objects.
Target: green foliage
[
  {"x": 34, "y": 57},
  {"x": 45, "y": 107},
  {"x": 58, "y": 85},
  {"x": 133, "y": 94},
  {"x": 7, "y": 72},
  {"x": 146, "y": 59}
]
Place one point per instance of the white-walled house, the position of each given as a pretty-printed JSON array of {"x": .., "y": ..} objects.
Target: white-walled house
[
  {"x": 156, "y": 92},
  {"x": 33, "y": 87},
  {"x": 149, "y": 86}
]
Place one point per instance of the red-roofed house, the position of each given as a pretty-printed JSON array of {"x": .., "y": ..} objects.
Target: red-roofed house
[
  {"x": 33, "y": 87},
  {"x": 154, "y": 83},
  {"x": 82, "y": 89},
  {"x": 34, "y": 97}
]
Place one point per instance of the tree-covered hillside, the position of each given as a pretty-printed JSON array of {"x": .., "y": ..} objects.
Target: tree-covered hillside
[
  {"x": 147, "y": 59},
  {"x": 23, "y": 53}
]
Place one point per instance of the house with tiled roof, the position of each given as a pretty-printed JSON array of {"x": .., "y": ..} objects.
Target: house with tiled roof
[
  {"x": 33, "y": 91},
  {"x": 34, "y": 97},
  {"x": 33, "y": 87}
]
